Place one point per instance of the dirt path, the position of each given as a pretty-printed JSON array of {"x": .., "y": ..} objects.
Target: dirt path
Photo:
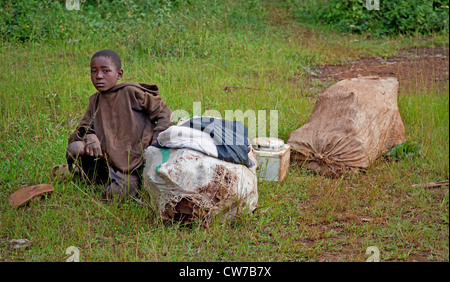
[{"x": 420, "y": 70}]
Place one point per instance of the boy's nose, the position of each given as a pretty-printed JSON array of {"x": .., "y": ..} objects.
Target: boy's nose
[{"x": 99, "y": 75}]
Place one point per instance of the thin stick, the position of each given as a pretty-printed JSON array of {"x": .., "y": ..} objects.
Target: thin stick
[{"x": 432, "y": 184}]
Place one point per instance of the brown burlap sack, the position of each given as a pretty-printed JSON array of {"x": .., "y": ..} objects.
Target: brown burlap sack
[{"x": 353, "y": 122}]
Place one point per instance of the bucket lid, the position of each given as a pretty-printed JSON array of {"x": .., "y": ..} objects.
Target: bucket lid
[{"x": 268, "y": 144}]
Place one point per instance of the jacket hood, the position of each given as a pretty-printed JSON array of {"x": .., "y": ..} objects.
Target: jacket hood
[{"x": 151, "y": 88}]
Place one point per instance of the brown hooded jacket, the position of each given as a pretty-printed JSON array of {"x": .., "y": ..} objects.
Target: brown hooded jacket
[{"x": 126, "y": 119}]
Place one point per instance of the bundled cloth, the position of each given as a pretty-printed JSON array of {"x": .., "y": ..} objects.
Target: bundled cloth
[
  {"x": 187, "y": 185},
  {"x": 219, "y": 138},
  {"x": 202, "y": 168}
]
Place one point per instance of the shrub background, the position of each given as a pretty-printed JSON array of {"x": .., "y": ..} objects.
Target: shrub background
[{"x": 393, "y": 17}]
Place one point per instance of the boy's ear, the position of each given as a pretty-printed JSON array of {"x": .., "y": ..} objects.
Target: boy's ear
[{"x": 119, "y": 74}]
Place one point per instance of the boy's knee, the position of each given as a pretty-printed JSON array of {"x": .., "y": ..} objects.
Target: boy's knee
[{"x": 76, "y": 148}]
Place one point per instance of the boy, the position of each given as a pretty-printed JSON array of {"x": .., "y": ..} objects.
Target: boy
[{"x": 120, "y": 122}]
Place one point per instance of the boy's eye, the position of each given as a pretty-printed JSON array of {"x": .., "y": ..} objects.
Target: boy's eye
[
  {"x": 92, "y": 71},
  {"x": 106, "y": 71}
]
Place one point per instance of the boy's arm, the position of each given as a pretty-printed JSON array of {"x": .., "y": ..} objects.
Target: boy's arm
[
  {"x": 86, "y": 125},
  {"x": 162, "y": 121},
  {"x": 158, "y": 112}
]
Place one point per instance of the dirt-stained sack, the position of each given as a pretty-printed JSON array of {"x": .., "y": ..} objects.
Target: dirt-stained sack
[
  {"x": 188, "y": 185},
  {"x": 353, "y": 122}
]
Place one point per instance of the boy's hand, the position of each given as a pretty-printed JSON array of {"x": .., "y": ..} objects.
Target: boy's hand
[{"x": 93, "y": 147}]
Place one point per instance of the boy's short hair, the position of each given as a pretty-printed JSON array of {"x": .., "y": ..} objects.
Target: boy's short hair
[{"x": 115, "y": 58}]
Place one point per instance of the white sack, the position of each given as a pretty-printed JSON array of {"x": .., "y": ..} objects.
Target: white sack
[{"x": 188, "y": 185}]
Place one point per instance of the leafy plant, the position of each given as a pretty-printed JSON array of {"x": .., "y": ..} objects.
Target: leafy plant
[
  {"x": 392, "y": 17},
  {"x": 405, "y": 150},
  {"x": 33, "y": 20}
]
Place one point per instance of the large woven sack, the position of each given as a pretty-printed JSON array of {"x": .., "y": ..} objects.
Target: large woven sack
[
  {"x": 353, "y": 122},
  {"x": 187, "y": 185}
]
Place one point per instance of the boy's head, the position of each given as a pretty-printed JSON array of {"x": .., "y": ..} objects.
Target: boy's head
[{"x": 106, "y": 69}]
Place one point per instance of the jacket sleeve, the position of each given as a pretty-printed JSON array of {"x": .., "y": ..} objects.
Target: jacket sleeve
[
  {"x": 86, "y": 125},
  {"x": 162, "y": 121},
  {"x": 158, "y": 112}
]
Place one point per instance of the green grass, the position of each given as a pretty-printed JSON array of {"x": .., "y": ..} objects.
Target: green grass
[{"x": 44, "y": 92}]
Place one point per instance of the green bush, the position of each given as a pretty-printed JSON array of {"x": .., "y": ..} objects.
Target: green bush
[
  {"x": 393, "y": 17},
  {"x": 24, "y": 20},
  {"x": 41, "y": 20},
  {"x": 159, "y": 28}
]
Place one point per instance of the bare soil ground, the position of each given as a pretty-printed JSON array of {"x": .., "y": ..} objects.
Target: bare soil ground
[{"x": 419, "y": 70}]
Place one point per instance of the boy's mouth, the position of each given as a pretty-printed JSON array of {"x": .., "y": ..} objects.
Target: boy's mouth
[{"x": 99, "y": 84}]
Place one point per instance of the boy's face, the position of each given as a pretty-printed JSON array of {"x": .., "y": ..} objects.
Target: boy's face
[{"x": 104, "y": 74}]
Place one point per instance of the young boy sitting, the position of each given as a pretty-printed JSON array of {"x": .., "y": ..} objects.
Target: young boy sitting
[{"x": 120, "y": 122}]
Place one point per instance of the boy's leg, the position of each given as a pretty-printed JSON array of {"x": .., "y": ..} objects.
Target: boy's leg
[
  {"x": 74, "y": 152},
  {"x": 93, "y": 168},
  {"x": 122, "y": 186},
  {"x": 76, "y": 149}
]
